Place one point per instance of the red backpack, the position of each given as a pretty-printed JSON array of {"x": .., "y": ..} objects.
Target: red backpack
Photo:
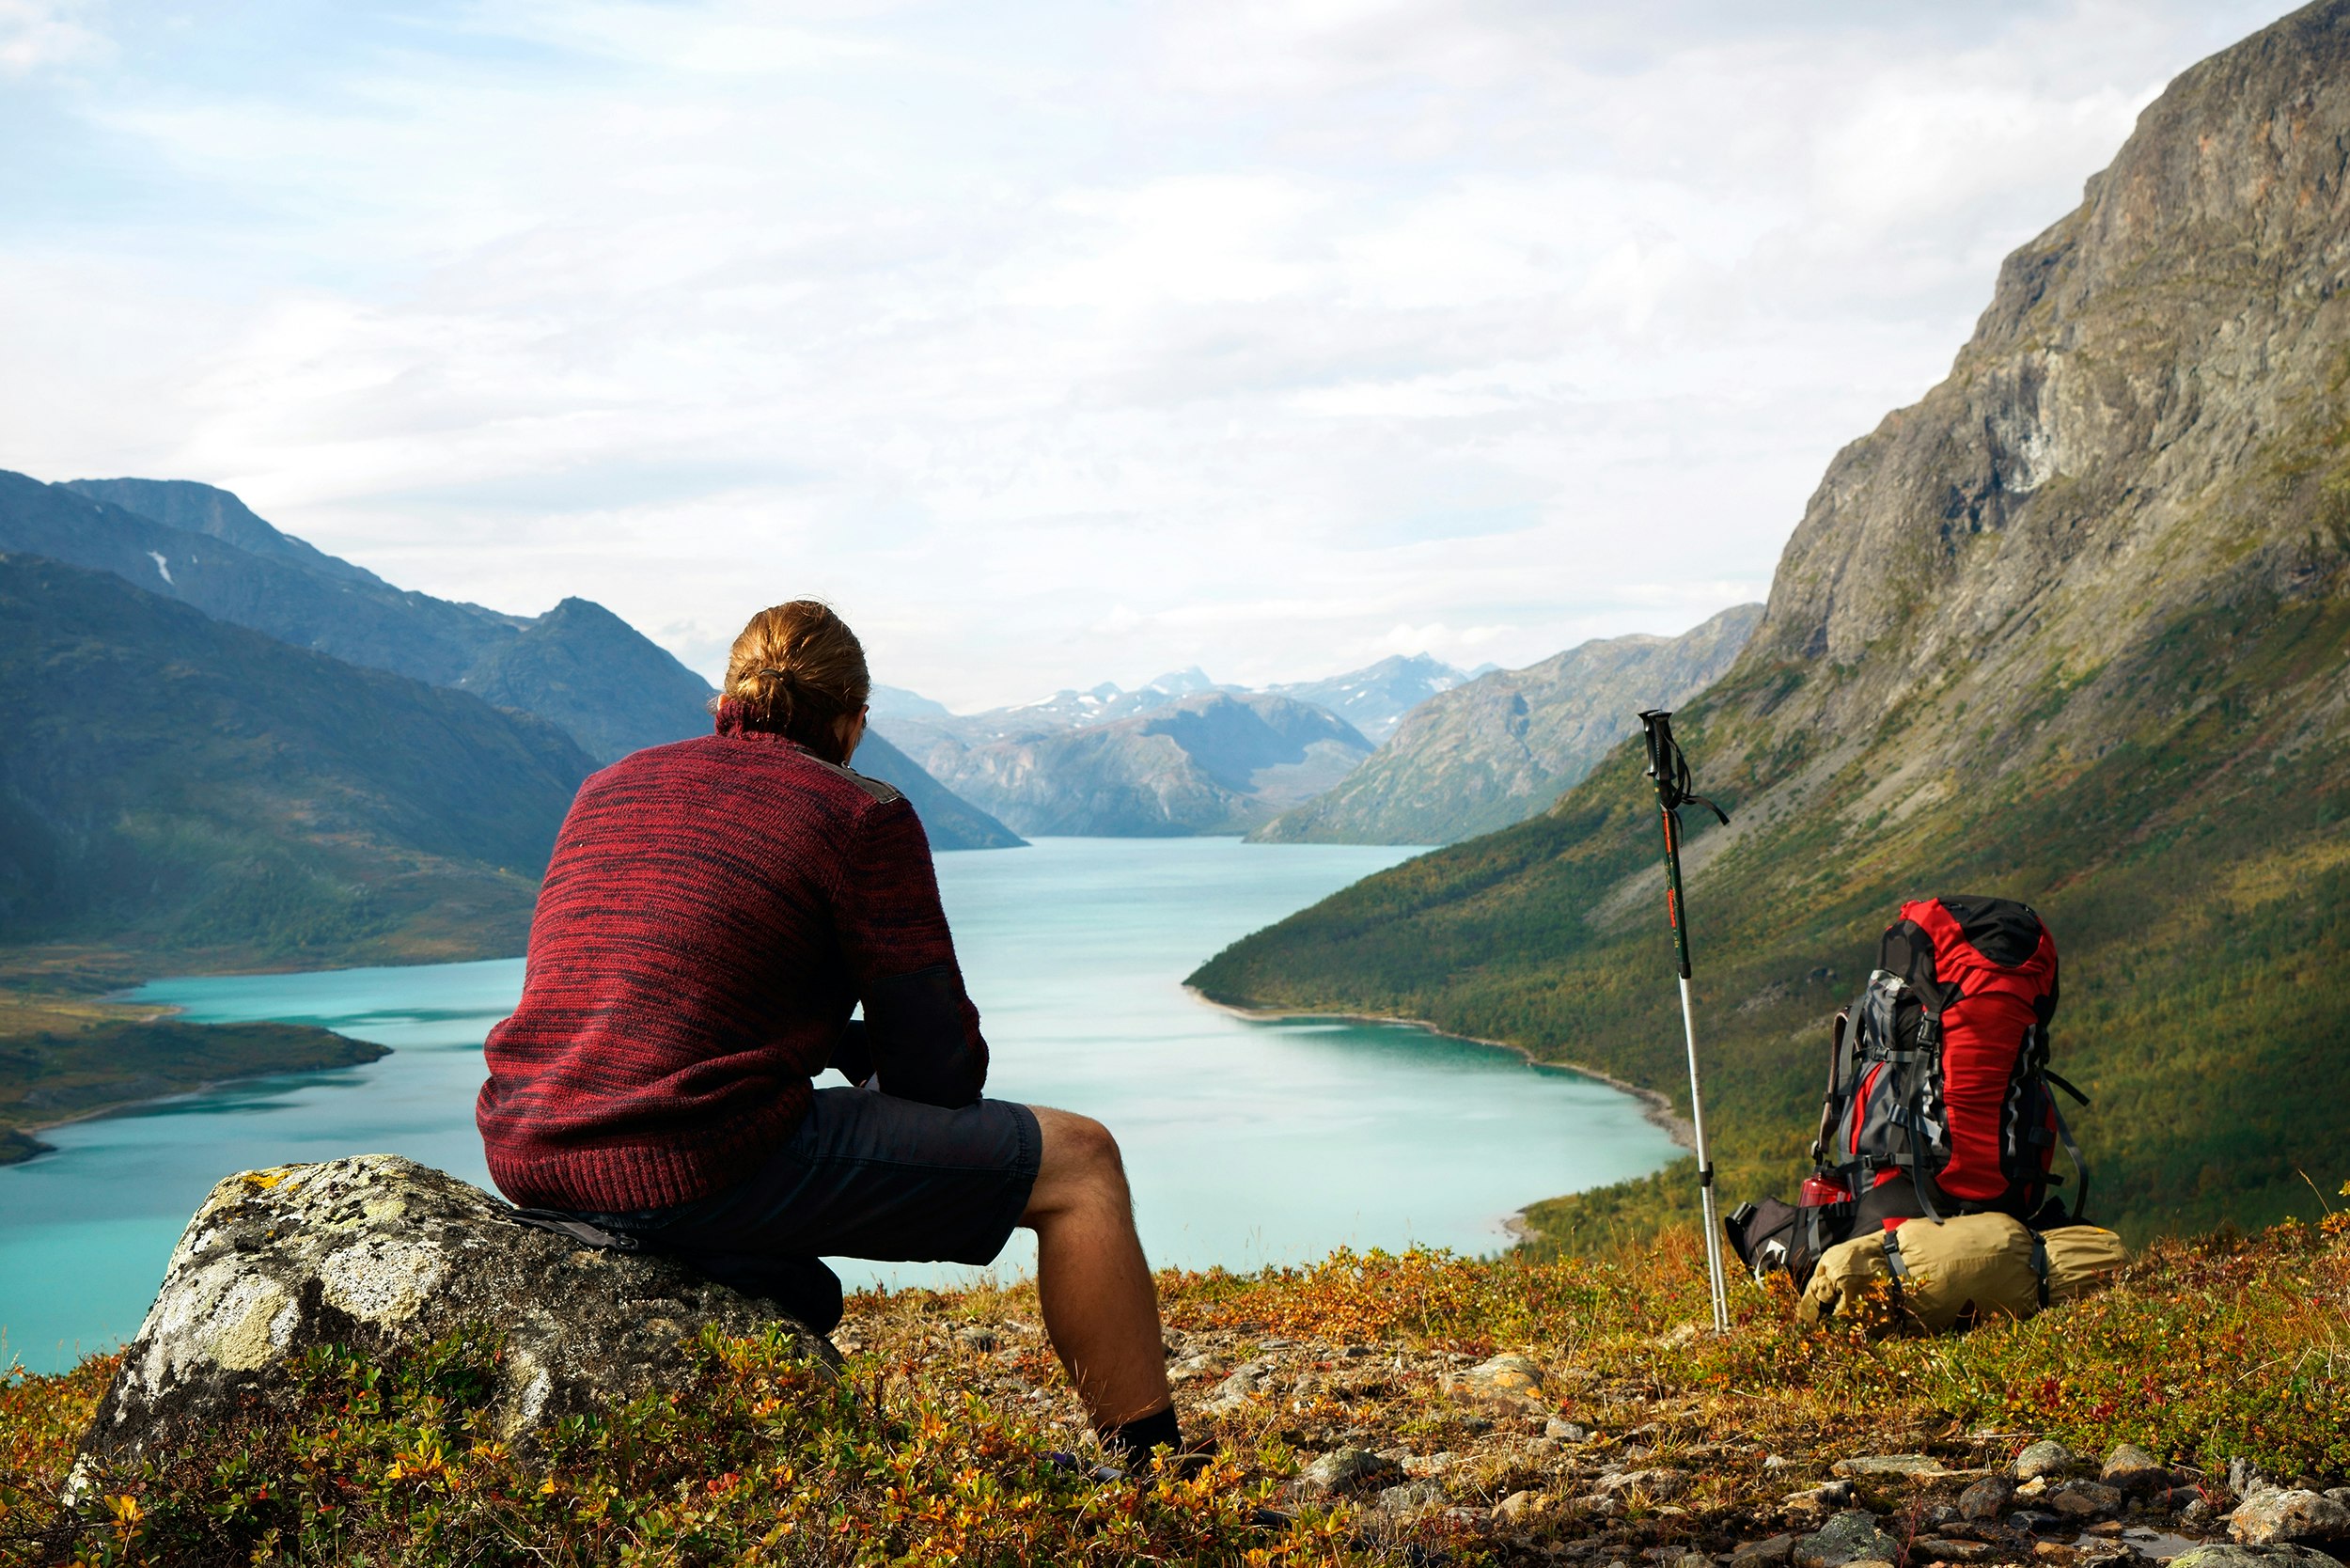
[{"x": 1939, "y": 1094}]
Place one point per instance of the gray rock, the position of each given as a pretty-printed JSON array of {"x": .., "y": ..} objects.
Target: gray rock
[
  {"x": 2085, "y": 1499},
  {"x": 1347, "y": 1471},
  {"x": 1986, "y": 1500},
  {"x": 1942, "y": 1548},
  {"x": 1566, "y": 1431},
  {"x": 2243, "y": 1477},
  {"x": 2045, "y": 1458},
  {"x": 1518, "y": 1507},
  {"x": 2274, "y": 1516},
  {"x": 1889, "y": 1464},
  {"x": 1512, "y": 1378},
  {"x": 1767, "y": 1553},
  {"x": 1662, "y": 1481},
  {"x": 377, "y": 1252},
  {"x": 2136, "y": 1471},
  {"x": 1849, "y": 1538},
  {"x": 2221, "y": 1554},
  {"x": 1247, "y": 1381},
  {"x": 1411, "y": 1497}
]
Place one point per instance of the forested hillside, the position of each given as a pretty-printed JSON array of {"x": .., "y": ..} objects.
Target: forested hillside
[
  {"x": 175, "y": 782},
  {"x": 2070, "y": 629}
]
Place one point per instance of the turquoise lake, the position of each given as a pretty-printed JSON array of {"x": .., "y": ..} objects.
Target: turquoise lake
[{"x": 1249, "y": 1141}]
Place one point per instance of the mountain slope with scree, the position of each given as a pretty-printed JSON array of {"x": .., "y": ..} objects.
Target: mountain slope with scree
[{"x": 2070, "y": 629}]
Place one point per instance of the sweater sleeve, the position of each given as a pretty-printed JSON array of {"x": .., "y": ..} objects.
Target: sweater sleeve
[{"x": 920, "y": 1027}]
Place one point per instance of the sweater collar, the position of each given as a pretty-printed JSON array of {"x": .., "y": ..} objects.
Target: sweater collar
[{"x": 736, "y": 719}]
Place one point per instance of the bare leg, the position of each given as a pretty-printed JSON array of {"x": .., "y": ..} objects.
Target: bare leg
[{"x": 1101, "y": 1308}]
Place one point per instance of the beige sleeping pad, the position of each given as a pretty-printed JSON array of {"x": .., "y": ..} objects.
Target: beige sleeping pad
[{"x": 1940, "y": 1274}]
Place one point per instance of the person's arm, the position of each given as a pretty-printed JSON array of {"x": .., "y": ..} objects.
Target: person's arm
[{"x": 921, "y": 1032}]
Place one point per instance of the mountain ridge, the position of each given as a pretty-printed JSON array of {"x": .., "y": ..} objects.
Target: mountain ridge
[
  {"x": 578, "y": 666},
  {"x": 2071, "y": 628},
  {"x": 1498, "y": 748}
]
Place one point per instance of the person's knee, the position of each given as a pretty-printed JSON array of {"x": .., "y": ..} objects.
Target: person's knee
[{"x": 1080, "y": 1162}]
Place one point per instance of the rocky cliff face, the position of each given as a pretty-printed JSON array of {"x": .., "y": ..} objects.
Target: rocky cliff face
[
  {"x": 2073, "y": 628},
  {"x": 2144, "y": 427},
  {"x": 1501, "y": 748}
]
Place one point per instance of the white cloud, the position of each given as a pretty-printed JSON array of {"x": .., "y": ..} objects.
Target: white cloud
[{"x": 1052, "y": 346}]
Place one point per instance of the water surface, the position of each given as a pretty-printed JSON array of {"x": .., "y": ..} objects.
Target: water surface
[{"x": 1248, "y": 1141}]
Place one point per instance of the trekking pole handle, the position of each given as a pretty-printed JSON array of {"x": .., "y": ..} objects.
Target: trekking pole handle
[{"x": 1669, "y": 771}]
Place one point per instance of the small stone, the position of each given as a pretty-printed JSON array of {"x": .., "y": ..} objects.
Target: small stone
[
  {"x": 1518, "y": 1507},
  {"x": 1941, "y": 1548},
  {"x": 2243, "y": 1477},
  {"x": 2221, "y": 1554},
  {"x": 1689, "y": 1560},
  {"x": 2273, "y": 1516},
  {"x": 1246, "y": 1381},
  {"x": 2053, "y": 1551},
  {"x": 1849, "y": 1538},
  {"x": 1986, "y": 1498},
  {"x": 2085, "y": 1499},
  {"x": 1834, "y": 1493},
  {"x": 2044, "y": 1458},
  {"x": 1889, "y": 1464},
  {"x": 2136, "y": 1471},
  {"x": 1502, "y": 1377},
  {"x": 1433, "y": 1465},
  {"x": 1767, "y": 1553},
  {"x": 1347, "y": 1471},
  {"x": 1566, "y": 1431},
  {"x": 1409, "y": 1498},
  {"x": 1192, "y": 1368},
  {"x": 1662, "y": 1482}
]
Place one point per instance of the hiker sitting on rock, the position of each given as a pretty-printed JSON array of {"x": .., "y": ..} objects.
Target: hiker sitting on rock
[{"x": 713, "y": 911}]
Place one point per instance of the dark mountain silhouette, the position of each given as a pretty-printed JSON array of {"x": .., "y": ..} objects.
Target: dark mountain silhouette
[
  {"x": 579, "y": 665},
  {"x": 176, "y": 780}
]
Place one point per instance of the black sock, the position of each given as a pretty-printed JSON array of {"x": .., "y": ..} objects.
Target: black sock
[{"x": 1132, "y": 1443}]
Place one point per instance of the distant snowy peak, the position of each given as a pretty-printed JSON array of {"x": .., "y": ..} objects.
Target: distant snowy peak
[{"x": 1374, "y": 699}]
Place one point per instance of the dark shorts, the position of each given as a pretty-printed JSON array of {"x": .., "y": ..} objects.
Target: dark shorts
[{"x": 866, "y": 1175}]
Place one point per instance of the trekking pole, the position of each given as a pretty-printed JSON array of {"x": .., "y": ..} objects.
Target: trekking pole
[{"x": 1670, "y": 771}]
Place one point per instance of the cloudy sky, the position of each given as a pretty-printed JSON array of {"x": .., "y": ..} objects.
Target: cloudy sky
[{"x": 1053, "y": 344}]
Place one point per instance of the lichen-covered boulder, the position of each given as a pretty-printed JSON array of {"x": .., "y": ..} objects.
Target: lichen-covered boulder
[
  {"x": 2274, "y": 1516},
  {"x": 378, "y": 1252}
]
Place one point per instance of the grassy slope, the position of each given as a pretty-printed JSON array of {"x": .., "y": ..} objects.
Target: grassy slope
[
  {"x": 934, "y": 1450},
  {"x": 63, "y": 1058},
  {"x": 181, "y": 783},
  {"x": 2206, "y": 971},
  {"x": 2187, "y": 851}
]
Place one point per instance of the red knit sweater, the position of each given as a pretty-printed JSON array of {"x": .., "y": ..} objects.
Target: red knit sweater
[{"x": 713, "y": 911}]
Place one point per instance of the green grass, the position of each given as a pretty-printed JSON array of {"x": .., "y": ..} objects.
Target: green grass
[{"x": 2191, "y": 868}]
